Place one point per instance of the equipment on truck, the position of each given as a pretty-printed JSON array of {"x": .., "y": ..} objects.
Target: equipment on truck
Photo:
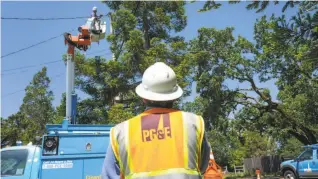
[
  {"x": 94, "y": 30},
  {"x": 68, "y": 150}
]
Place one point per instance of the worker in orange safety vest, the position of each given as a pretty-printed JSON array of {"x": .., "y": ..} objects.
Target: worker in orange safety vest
[{"x": 161, "y": 142}]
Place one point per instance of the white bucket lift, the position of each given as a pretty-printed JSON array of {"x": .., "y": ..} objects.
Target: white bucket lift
[{"x": 97, "y": 29}]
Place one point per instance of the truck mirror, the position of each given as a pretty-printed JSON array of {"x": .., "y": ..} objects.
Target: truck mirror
[{"x": 38, "y": 138}]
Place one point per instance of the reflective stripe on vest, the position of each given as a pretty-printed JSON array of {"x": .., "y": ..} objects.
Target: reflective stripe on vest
[{"x": 164, "y": 145}]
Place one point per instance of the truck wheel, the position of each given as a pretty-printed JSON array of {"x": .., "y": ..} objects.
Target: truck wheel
[{"x": 289, "y": 175}]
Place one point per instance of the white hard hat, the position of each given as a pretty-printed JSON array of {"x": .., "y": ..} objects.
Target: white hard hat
[
  {"x": 159, "y": 83},
  {"x": 94, "y": 8}
]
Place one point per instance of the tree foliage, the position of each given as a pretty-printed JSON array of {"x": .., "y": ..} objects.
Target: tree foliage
[
  {"x": 287, "y": 56},
  {"x": 35, "y": 111},
  {"x": 230, "y": 150},
  {"x": 142, "y": 36},
  {"x": 259, "y": 6},
  {"x": 283, "y": 52}
]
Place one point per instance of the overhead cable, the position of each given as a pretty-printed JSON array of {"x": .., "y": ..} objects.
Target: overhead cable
[
  {"x": 9, "y": 94},
  {"x": 22, "y": 71},
  {"x": 42, "y": 19},
  {"x": 46, "y": 19},
  {"x": 44, "y": 41},
  {"x": 31, "y": 66},
  {"x": 96, "y": 52},
  {"x": 24, "y": 68}
]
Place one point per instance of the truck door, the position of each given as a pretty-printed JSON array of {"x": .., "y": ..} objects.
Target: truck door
[
  {"x": 15, "y": 164},
  {"x": 305, "y": 164}
]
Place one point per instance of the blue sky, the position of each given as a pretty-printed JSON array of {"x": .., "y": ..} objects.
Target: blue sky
[{"x": 19, "y": 34}]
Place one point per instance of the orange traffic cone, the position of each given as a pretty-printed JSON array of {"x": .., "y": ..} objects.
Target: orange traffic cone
[
  {"x": 213, "y": 171},
  {"x": 258, "y": 174}
]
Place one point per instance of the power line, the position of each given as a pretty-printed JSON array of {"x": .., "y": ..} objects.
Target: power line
[
  {"x": 31, "y": 66},
  {"x": 42, "y": 19},
  {"x": 52, "y": 38},
  {"x": 53, "y": 77},
  {"x": 49, "y": 62},
  {"x": 44, "y": 41},
  {"x": 96, "y": 52},
  {"x": 46, "y": 19},
  {"x": 5, "y": 74},
  {"x": 9, "y": 94}
]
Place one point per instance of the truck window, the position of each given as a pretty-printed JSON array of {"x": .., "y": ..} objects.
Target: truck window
[
  {"x": 307, "y": 155},
  {"x": 13, "y": 162}
]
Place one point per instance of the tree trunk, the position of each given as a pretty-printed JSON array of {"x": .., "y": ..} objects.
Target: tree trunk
[
  {"x": 146, "y": 27},
  {"x": 307, "y": 138}
]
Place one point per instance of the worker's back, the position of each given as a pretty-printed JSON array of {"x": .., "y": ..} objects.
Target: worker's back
[{"x": 160, "y": 141}]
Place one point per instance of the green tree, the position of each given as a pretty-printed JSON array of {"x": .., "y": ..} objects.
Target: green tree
[
  {"x": 37, "y": 105},
  {"x": 257, "y": 145},
  {"x": 117, "y": 113},
  {"x": 12, "y": 129},
  {"x": 231, "y": 148},
  {"x": 259, "y": 6},
  {"x": 282, "y": 52},
  {"x": 142, "y": 36},
  {"x": 60, "y": 110},
  {"x": 287, "y": 57},
  {"x": 291, "y": 148},
  {"x": 35, "y": 112},
  {"x": 219, "y": 56},
  {"x": 215, "y": 52}
]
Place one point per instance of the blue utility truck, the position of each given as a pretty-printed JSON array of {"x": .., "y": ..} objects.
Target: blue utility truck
[
  {"x": 67, "y": 151},
  {"x": 304, "y": 166}
]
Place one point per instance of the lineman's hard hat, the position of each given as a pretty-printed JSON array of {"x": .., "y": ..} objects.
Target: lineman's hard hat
[
  {"x": 159, "y": 83},
  {"x": 94, "y": 8}
]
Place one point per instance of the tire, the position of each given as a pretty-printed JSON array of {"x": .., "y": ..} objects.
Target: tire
[{"x": 288, "y": 174}]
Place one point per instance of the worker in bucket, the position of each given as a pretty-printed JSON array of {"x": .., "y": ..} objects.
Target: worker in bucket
[
  {"x": 96, "y": 20},
  {"x": 161, "y": 142}
]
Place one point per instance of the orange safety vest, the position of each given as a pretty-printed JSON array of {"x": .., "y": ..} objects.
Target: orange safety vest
[{"x": 159, "y": 143}]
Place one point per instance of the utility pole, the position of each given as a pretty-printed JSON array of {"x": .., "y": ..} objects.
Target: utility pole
[{"x": 71, "y": 97}]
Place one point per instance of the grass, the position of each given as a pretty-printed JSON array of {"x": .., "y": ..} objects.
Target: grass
[{"x": 236, "y": 176}]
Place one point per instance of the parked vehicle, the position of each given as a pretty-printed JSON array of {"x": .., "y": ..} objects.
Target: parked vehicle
[
  {"x": 304, "y": 166},
  {"x": 67, "y": 151}
]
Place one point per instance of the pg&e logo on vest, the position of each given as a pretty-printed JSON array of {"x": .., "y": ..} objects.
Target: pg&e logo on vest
[{"x": 155, "y": 127}]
